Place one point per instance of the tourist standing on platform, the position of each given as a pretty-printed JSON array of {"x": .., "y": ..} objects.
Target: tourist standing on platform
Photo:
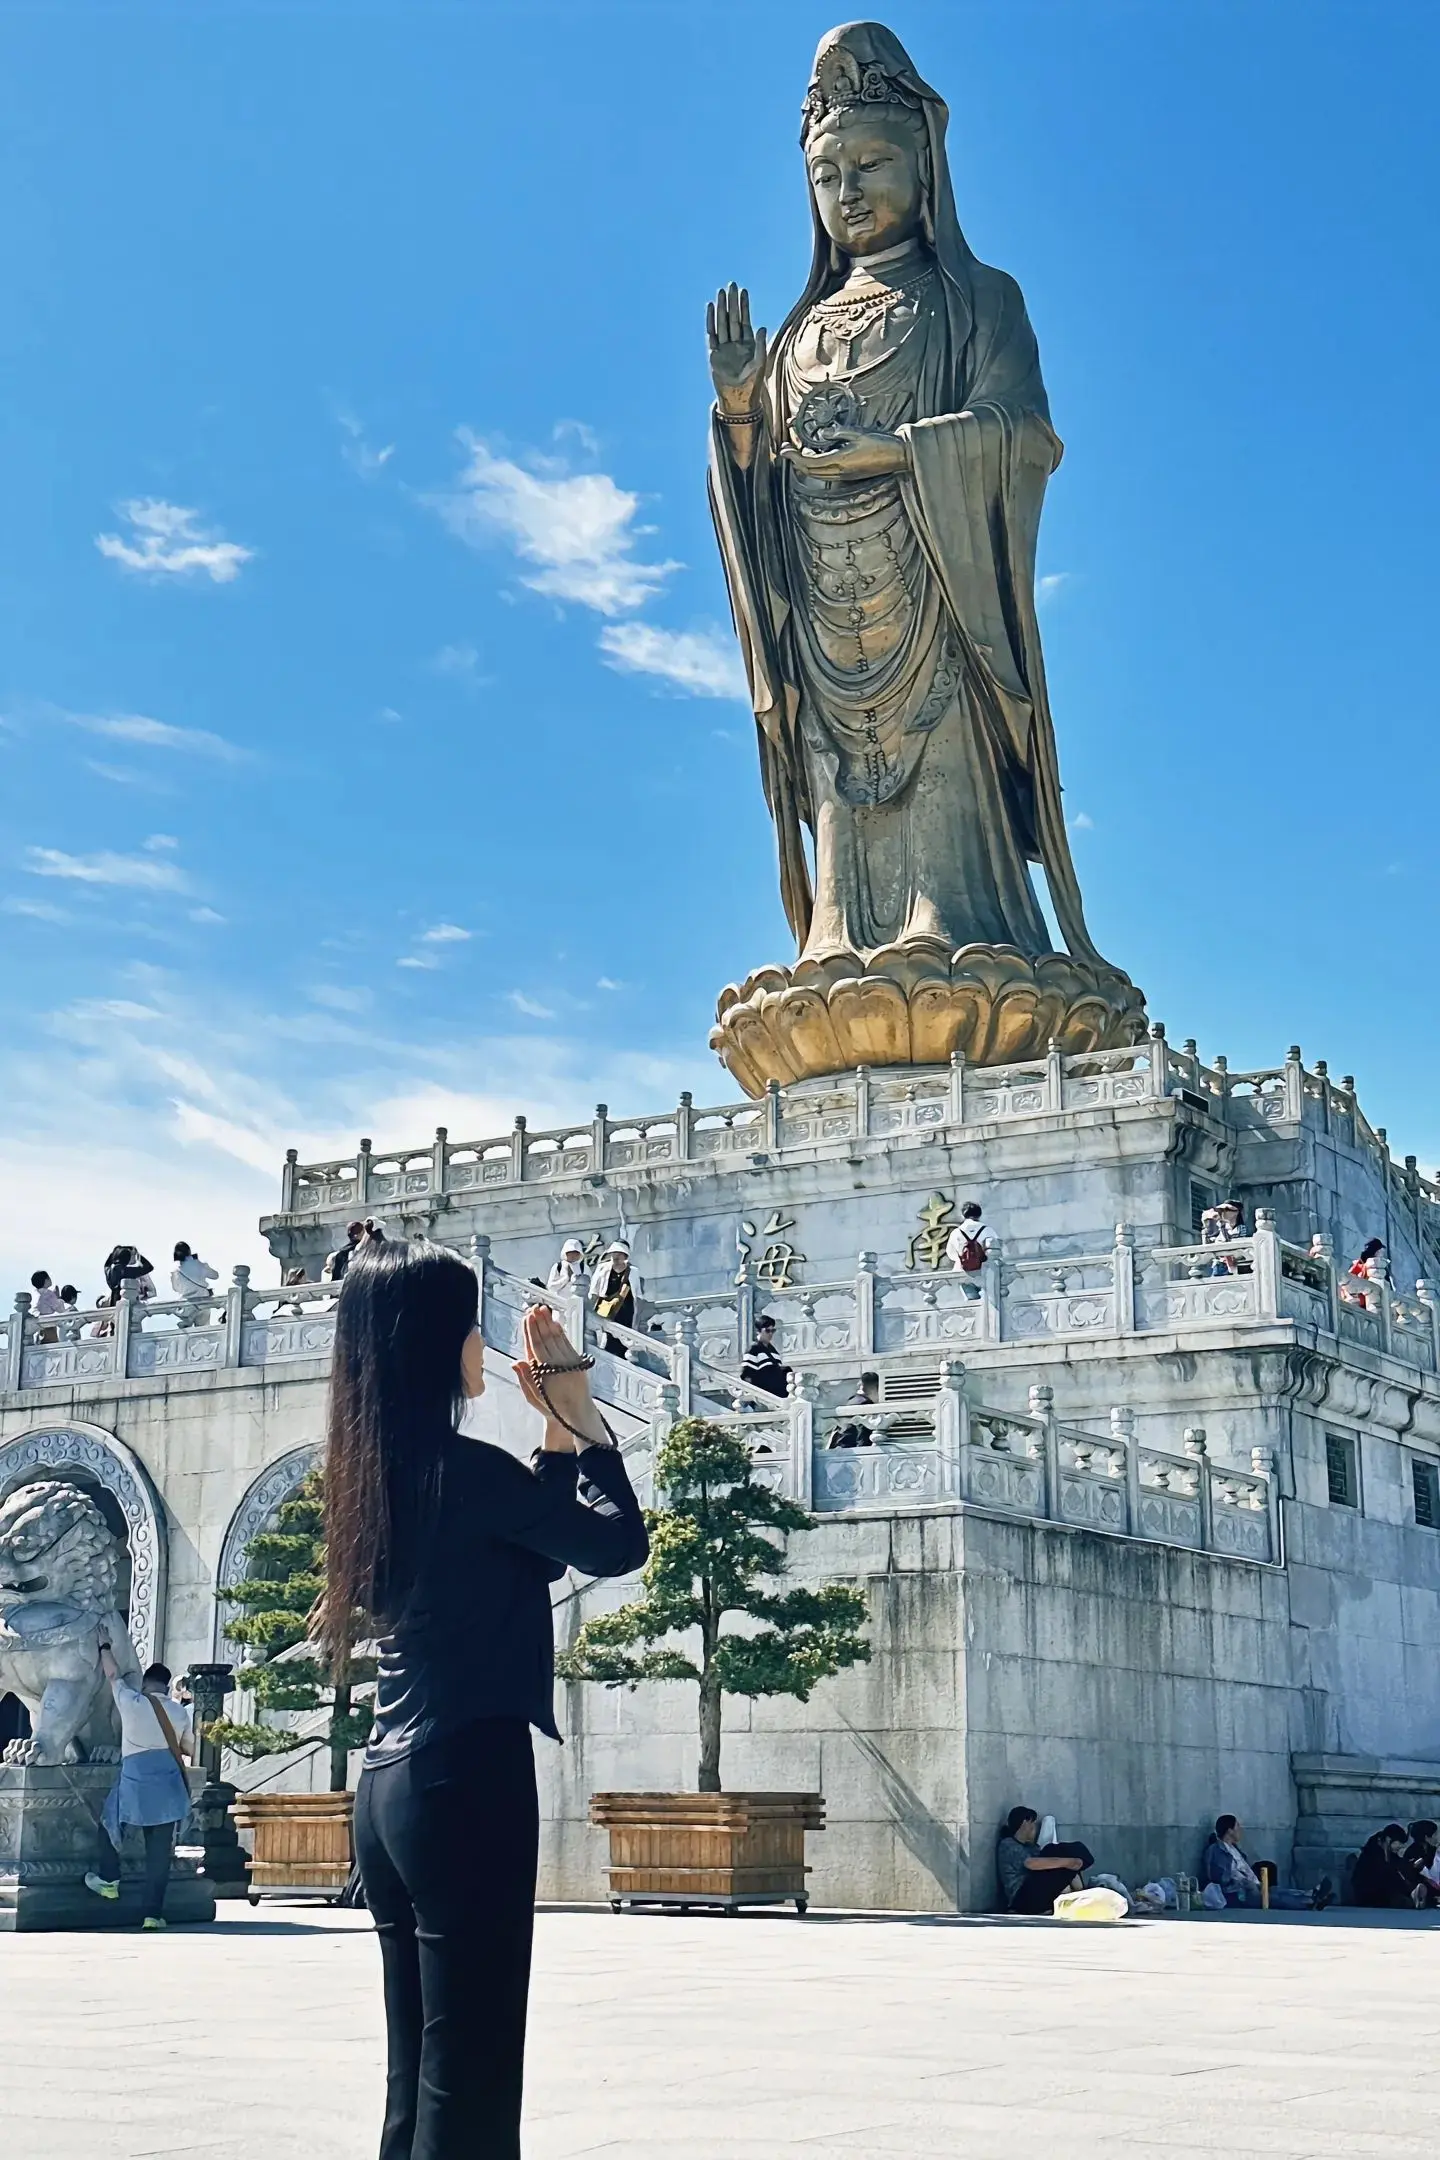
[
  {"x": 47, "y": 1302},
  {"x": 968, "y": 1247},
  {"x": 151, "y": 1790},
  {"x": 854, "y": 1432},
  {"x": 763, "y": 1365},
  {"x": 126, "y": 1263},
  {"x": 1221, "y": 1225},
  {"x": 190, "y": 1278},
  {"x": 612, "y": 1293},
  {"x": 568, "y": 1274},
  {"x": 337, "y": 1261},
  {"x": 1363, "y": 1268},
  {"x": 449, "y": 1546}
]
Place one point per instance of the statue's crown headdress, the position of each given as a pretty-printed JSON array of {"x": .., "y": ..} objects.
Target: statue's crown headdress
[{"x": 841, "y": 82}]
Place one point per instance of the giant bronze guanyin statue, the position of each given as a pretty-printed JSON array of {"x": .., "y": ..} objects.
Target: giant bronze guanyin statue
[{"x": 876, "y": 480}]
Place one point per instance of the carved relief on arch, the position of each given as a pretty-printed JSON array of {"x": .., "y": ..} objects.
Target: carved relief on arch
[
  {"x": 105, "y": 1465},
  {"x": 265, "y": 1497}
]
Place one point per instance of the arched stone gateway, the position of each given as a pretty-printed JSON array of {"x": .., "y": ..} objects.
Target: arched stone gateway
[
  {"x": 125, "y": 1494},
  {"x": 268, "y": 1493}
]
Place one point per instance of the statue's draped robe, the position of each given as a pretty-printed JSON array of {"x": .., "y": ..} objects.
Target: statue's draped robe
[{"x": 888, "y": 625}]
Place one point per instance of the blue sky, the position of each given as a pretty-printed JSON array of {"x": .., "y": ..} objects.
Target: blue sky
[{"x": 369, "y": 752}]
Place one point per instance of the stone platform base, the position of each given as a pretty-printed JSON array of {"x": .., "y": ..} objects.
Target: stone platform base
[
  {"x": 49, "y": 1837},
  {"x": 1343, "y": 1799}
]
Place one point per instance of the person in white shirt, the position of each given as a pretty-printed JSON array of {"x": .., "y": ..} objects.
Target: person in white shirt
[
  {"x": 968, "y": 1247},
  {"x": 47, "y": 1301},
  {"x": 568, "y": 1272},
  {"x": 156, "y": 1731},
  {"x": 190, "y": 1278}
]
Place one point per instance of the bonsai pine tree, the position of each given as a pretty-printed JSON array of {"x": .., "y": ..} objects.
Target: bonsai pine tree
[
  {"x": 716, "y": 1548},
  {"x": 286, "y": 1573}
]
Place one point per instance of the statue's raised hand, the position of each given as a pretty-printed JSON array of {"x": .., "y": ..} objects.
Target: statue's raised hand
[{"x": 737, "y": 353}]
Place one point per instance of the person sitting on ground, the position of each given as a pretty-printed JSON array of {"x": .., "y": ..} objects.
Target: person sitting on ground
[
  {"x": 1033, "y": 1876},
  {"x": 1224, "y": 1864},
  {"x": 190, "y": 1278},
  {"x": 1419, "y": 1861},
  {"x": 763, "y": 1365},
  {"x": 337, "y": 1261},
  {"x": 968, "y": 1247},
  {"x": 155, "y": 1736},
  {"x": 1380, "y": 1879},
  {"x": 47, "y": 1301},
  {"x": 612, "y": 1293},
  {"x": 568, "y": 1273},
  {"x": 853, "y": 1433}
]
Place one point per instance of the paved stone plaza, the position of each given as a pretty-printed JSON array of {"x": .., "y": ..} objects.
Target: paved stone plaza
[{"x": 834, "y": 2038}]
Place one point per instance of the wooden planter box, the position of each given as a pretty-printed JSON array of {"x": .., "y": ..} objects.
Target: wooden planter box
[
  {"x": 709, "y": 1850},
  {"x": 301, "y": 1842}
]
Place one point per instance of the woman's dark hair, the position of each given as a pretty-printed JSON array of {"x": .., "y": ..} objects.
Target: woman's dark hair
[
  {"x": 404, "y": 1312},
  {"x": 1224, "y": 1824},
  {"x": 1372, "y": 1246},
  {"x": 182, "y": 1251},
  {"x": 1017, "y": 1819}
]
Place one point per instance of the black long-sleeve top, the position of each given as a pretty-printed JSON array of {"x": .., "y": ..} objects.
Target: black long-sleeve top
[{"x": 476, "y": 1640}]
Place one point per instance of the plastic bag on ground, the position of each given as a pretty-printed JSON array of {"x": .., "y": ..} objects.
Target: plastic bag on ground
[
  {"x": 1096, "y": 1904},
  {"x": 1212, "y": 1897},
  {"x": 1112, "y": 1882}
]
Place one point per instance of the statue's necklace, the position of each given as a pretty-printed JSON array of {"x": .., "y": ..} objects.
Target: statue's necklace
[{"x": 849, "y": 313}]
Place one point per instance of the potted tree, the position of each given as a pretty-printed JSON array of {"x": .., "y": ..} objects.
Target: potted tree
[
  {"x": 301, "y": 1841},
  {"x": 717, "y": 1547}
]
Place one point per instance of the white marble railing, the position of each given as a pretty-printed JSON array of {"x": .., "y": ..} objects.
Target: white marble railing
[
  {"x": 814, "y": 1115},
  {"x": 1029, "y": 1465},
  {"x": 1128, "y": 1291}
]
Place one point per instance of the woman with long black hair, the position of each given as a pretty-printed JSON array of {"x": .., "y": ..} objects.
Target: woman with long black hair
[{"x": 449, "y": 1546}]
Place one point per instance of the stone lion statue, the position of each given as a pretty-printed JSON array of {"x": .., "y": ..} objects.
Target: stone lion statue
[{"x": 60, "y": 1568}]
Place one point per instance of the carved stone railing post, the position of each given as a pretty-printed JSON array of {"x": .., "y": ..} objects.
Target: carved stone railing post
[
  {"x": 1054, "y": 1077},
  {"x": 952, "y": 1423},
  {"x": 1197, "y": 1449},
  {"x": 1159, "y": 1059},
  {"x": 437, "y": 1158},
  {"x": 1379, "y": 1293},
  {"x": 289, "y": 1179},
  {"x": 1042, "y": 1405},
  {"x": 1123, "y": 1266},
  {"x": 957, "y": 1087},
  {"x": 517, "y": 1151},
  {"x": 685, "y": 1128},
  {"x": 15, "y": 1348},
  {"x": 1425, "y": 1295},
  {"x": 992, "y": 1294},
  {"x": 662, "y": 1424},
  {"x": 682, "y": 1358},
  {"x": 865, "y": 1305},
  {"x": 1122, "y": 1437},
  {"x": 480, "y": 1261},
  {"x": 1262, "y": 1462},
  {"x": 600, "y": 1137},
  {"x": 362, "y": 1173},
  {"x": 745, "y": 1307},
  {"x": 125, "y": 1324},
  {"x": 1323, "y": 1250},
  {"x": 1266, "y": 1247},
  {"x": 773, "y": 1111},
  {"x": 235, "y": 1314},
  {"x": 1294, "y": 1085},
  {"x": 862, "y": 1102},
  {"x": 804, "y": 1392}
]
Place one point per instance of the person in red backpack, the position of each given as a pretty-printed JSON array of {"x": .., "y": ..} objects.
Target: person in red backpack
[{"x": 968, "y": 1247}]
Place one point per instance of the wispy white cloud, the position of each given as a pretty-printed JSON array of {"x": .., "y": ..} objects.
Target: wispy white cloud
[
  {"x": 607, "y": 982},
  {"x": 205, "y": 915},
  {"x": 1047, "y": 587},
  {"x": 359, "y": 454},
  {"x": 530, "y": 1006},
  {"x": 1082, "y": 822},
  {"x": 139, "y": 729},
  {"x": 460, "y": 662},
  {"x": 37, "y": 910},
  {"x": 705, "y": 663},
  {"x": 340, "y": 997},
  {"x": 578, "y": 530},
  {"x": 143, "y": 873},
  {"x": 427, "y": 961},
  {"x": 167, "y": 540},
  {"x": 446, "y": 933}
]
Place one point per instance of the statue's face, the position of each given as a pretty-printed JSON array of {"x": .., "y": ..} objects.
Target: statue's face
[{"x": 865, "y": 171}]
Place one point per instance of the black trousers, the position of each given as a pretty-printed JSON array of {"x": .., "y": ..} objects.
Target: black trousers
[
  {"x": 1041, "y": 1886},
  {"x": 447, "y": 1840},
  {"x": 159, "y": 1851}
]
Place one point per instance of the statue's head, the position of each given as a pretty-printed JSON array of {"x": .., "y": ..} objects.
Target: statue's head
[
  {"x": 866, "y": 141},
  {"x": 55, "y": 1543}
]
